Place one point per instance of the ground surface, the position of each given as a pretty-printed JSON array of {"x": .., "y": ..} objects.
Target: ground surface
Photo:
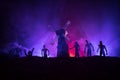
[{"x": 60, "y": 68}]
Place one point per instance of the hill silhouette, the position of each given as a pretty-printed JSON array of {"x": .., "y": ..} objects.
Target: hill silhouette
[{"x": 60, "y": 68}]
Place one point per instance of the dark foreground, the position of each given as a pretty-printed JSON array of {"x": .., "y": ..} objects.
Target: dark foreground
[{"x": 60, "y": 68}]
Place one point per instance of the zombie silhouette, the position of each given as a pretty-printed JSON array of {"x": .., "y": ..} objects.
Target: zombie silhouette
[
  {"x": 44, "y": 52},
  {"x": 15, "y": 52},
  {"x": 14, "y": 49},
  {"x": 30, "y": 53},
  {"x": 88, "y": 48},
  {"x": 102, "y": 49},
  {"x": 77, "y": 49},
  {"x": 62, "y": 46}
]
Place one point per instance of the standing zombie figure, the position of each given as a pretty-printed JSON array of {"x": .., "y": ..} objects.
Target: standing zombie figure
[
  {"x": 77, "y": 49},
  {"x": 88, "y": 48},
  {"x": 62, "y": 46},
  {"x": 102, "y": 49},
  {"x": 15, "y": 52},
  {"x": 44, "y": 52},
  {"x": 61, "y": 37},
  {"x": 18, "y": 51}
]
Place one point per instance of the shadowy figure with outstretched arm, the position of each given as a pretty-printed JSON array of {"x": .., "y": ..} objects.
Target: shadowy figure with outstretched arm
[
  {"x": 77, "y": 49},
  {"x": 45, "y": 52},
  {"x": 88, "y": 48},
  {"x": 102, "y": 49},
  {"x": 62, "y": 46},
  {"x": 30, "y": 53}
]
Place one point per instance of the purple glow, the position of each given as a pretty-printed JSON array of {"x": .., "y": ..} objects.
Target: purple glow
[{"x": 88, "y": 21}]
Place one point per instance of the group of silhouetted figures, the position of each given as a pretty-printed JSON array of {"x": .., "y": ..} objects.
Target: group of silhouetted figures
[
  {"x": 88, "y": 50},
  {"x": 63, "y": 49}
]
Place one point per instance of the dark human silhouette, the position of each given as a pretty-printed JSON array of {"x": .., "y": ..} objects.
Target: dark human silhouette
[
  {"x": 102, "y": 49},
  {"x": 62, "y": 46},
  {"x": 15, "y": 52},
  {"x": 88, "y": 48},
  {"x": 44, "y": 52},
  {"x": 77, "y": 49},
  {"x": 14, "y": 49},
  {"x": 30, "y": 53}
]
